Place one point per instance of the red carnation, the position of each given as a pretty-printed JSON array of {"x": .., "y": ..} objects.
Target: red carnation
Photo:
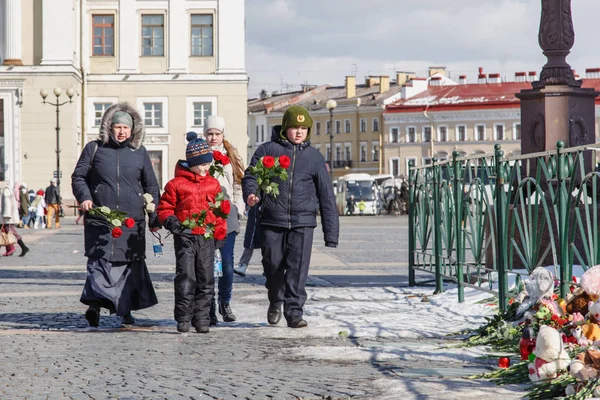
[
  {"x": 217, "y": 155},
  {"x": 221, "y": 232},
  {"x": 210, "y": 218},
  {"x": 504, "y": 362},
  {"x": 129, "y": 222},
  {"x": 225, "y": 207},
  {"x": 116, "y": 232},
  {"x": 198, "y": 230},
  {"x": 284, "y": 162},
  {"x": 225, "y": 160},
  {"x": 268, "y": 161}
]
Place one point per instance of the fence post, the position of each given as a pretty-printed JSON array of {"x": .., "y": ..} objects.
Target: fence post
[
  {"x": 458, "y": 218},
  {"x": 437, "y": 218},
  {"x": 411, "y": 223},
  {"x": 562, "y": 201},
  {"x": 501, "y": 231}
]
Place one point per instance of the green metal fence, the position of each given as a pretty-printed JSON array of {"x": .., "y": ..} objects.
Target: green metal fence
[{"x": 485, "y": 221}]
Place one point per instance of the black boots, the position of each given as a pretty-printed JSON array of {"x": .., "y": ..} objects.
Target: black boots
[
  {"x": 93, "y": 315},
  {"x": 24, "y": 249},
  {"x": 213, "y": 312},
  {"x": 299, "y": 323},
  {"x": 225, "y": 311},
  {"x": 183, "y": 327},
  {"x": 128, "y": 319},
  {"x": 274, "y": 314}
]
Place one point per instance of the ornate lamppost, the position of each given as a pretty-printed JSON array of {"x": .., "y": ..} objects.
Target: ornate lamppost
[{"x": 331, "y": 105}]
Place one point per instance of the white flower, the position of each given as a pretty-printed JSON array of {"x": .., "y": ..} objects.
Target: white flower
[
  {"x": 105, "y": 210},
  {"x": 115, "y": 222},
  {"x": 150, "y": 207},
  {"x": 148, "y": 197}
]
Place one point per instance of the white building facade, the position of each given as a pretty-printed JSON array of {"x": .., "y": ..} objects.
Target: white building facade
[{"x": 176, "y": 61}]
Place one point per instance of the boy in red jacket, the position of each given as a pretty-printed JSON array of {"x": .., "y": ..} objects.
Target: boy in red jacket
[{"x": 186, "y": 197}]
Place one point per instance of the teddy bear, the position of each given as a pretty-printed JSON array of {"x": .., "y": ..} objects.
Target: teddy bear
[
  {"x": 540, "y": 285},
  {"x": 579, "y": 303},
  {"x": 550, "y": 354},
  {"x": 594, "y": 311}
]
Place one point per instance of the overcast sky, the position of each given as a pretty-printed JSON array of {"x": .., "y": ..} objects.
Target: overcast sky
[{"x": 291, "y": 42}]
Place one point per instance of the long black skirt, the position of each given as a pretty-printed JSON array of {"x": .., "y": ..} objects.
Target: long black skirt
[{"x": 118, "y": 287}]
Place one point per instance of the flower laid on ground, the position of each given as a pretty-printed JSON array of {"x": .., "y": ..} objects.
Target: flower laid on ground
[
  {"x": 219, "y": 161},
  {"x": 149, "y": 200},
  {"x": 115, "y": 217},
  {"x": 210, "y": 223},
  {"x": 267, "y": 169}
]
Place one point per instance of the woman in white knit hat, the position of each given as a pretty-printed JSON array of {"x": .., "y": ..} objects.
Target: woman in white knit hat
[{"x": 231, "y": 183}]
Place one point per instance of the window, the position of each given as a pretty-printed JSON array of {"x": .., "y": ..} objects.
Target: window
[
  {"x": 99, "y": 109},
  {"x": 442, "y": 156},
  {"x": 338, "y": 152},
  {"x": 318, "y": 128},
  {"x": 328, "y": 127},
  {"x": 347, "y": 126},
  {"x": 426, "y": 160},
  {"x": 375, "y": 152},
  {"x": 408, "y": 162},
  {"x": 517, "y": 131},
  {"x": 203, "y": 110},
  {"x": 153, "y": 34},
  {"x": 395, "y": 166},
  {"x": 443, "y": 133},
  {"x": 103, "y": 35},
  {"x": 363, "y": 152},
  {"x": 328, "y": 155},
  {"x": 153, "y": 114},
  {"x": 461, "y": 133},
  {"x": 363, "y": 125},
  {"x": 262, "y": 133},
  {"x": 499, "y": 131},
  {"x": 202, "y": 35},
  {"x": 157, "y": 164},
  {"x": 338, "y": 126},
  {"x": 427, "y": 134},
  {"x": 394, "y": 135},
  {"x": 348, "y": 151},
  {"x": 375, "y": 124},
  {"x": 411, "y": 134},
  {"x": 479, "y": 132},
  {"x": 257, "y": 134}
]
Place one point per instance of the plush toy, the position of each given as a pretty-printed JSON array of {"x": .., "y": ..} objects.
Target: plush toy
[
  {"x": 591, "y": 331},
  {"x": 582, "y": 340},
  {"x": 550, "y": 353},
  {"x": 540, "y": 285},
  {"x": 590, "y": 281},
  {"x": 579, "y": 303},
  {"x": 594, "y": 311}
]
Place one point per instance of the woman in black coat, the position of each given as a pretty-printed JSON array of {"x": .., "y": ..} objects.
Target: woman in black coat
[{"x": 115, "y": 171}]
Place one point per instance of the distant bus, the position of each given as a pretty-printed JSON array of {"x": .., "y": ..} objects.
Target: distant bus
[{"x": 363, "y": 187}]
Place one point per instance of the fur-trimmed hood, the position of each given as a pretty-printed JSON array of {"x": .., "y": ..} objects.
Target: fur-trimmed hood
[{"x": 137, "y": 131}]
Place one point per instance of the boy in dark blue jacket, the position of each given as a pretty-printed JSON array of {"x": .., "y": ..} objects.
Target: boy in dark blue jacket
[{"x": 288, "y": 221}]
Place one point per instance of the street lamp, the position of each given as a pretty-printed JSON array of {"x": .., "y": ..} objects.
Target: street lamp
[
  {"x": 331, "y": 105},
  {"x": 57, "y": 92}
]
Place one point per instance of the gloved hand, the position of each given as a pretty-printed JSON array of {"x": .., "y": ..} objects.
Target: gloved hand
[
  {"x": 331, "y": 244},
  {"x": 172, "y": 224},
  {"x": 219, "y": 244}
]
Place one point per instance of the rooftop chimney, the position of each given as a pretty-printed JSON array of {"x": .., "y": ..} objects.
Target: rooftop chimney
[
  {"x": 350, "y": 87},
  {"x": 592, "y": 73},
  {"x": 520, "y": 76},
  {"x": 371, "y": 81},
  {"x": 435, "y": 81},
  {"x": 480, "y": 70},
  {"x": 384, "y": 83},
  {"x": 401, "y": 78},
  {"x": 437, "y": 70},
  {"x": 481, "y": 78},
  {"x": 462, "y": 80},
  {"x": 494, "y": 78},
  {"x": 532, "y": 76}
]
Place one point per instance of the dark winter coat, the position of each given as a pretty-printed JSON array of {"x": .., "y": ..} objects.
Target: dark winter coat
[
  {"x": 118, "y": 178},
  {"x": 307, "y": 190},
  {"x": 52, "y": 196},
  {"x": 24, "y": 203},
  {"x": 252, "y": 236}
]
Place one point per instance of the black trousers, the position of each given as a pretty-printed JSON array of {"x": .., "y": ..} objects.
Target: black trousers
[
  {"x": 195, "y": 281},
  {"x": 286, "y": 258}
]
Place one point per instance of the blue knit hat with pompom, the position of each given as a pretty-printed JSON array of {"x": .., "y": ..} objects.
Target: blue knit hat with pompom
[{"x": 198, "y": 151}]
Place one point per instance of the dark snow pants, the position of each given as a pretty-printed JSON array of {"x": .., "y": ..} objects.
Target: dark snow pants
[
  {"x": 194, "y": 281},
  {"x": 286, "y": 258}
]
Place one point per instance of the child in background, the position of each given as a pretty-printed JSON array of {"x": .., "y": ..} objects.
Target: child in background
[
  {"x": 40, "y": 207},
  {"x": 190, "y": 192},
  {"x": 361, "y": 207}
]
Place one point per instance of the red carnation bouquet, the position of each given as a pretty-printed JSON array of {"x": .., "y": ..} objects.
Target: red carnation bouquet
[
  {"x": 267, "y": 169},
  {"x": 219, "y": 161},
  {"x": 210, "y": 223},
  {"x": 116, "y": 218}
]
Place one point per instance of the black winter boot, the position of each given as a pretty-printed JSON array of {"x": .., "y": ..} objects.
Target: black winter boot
[
  {"x": 213, "y": 312},
  {"x": 225, "y": 311},
  {"x": 24, "y": 249},
  {"x": 92, "y": 315}
]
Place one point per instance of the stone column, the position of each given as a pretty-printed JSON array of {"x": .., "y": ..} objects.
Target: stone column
[{"x": 12, "y": 32}]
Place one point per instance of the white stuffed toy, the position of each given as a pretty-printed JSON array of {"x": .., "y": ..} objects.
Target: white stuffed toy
[
  {"x": 540, "y": 285},
  {"x": 550, "y": 354}
]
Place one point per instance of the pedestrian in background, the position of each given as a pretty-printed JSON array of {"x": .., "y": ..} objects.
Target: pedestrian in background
[
  {"x": 10, "y": 218},
  {"x": 24, "y": 205},
  {"x": 252, "y": 239},
  {"x": 115, "y": 171},
  {"x": 39, "y": 205},
  {"x": 231, "y": 184},
  {"x": 361, "y": 207},
  {"x": 52, "y": 205},
  {"x": 351, "y": 204},
  {"x": 288, "y": 221}
]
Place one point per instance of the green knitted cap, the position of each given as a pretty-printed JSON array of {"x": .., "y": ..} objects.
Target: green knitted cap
[
  {"x": 294, "y": 117},
  {"x": 122, "y": 118}
]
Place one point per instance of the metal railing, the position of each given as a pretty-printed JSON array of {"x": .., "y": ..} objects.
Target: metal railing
[{"x": 482, "y": 219}]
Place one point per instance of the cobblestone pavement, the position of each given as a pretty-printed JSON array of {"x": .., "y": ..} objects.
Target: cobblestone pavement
[{"x": 48, "y": 352}]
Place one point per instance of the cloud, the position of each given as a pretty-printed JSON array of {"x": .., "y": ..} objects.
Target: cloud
[{"x": 321, "y": 41}]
